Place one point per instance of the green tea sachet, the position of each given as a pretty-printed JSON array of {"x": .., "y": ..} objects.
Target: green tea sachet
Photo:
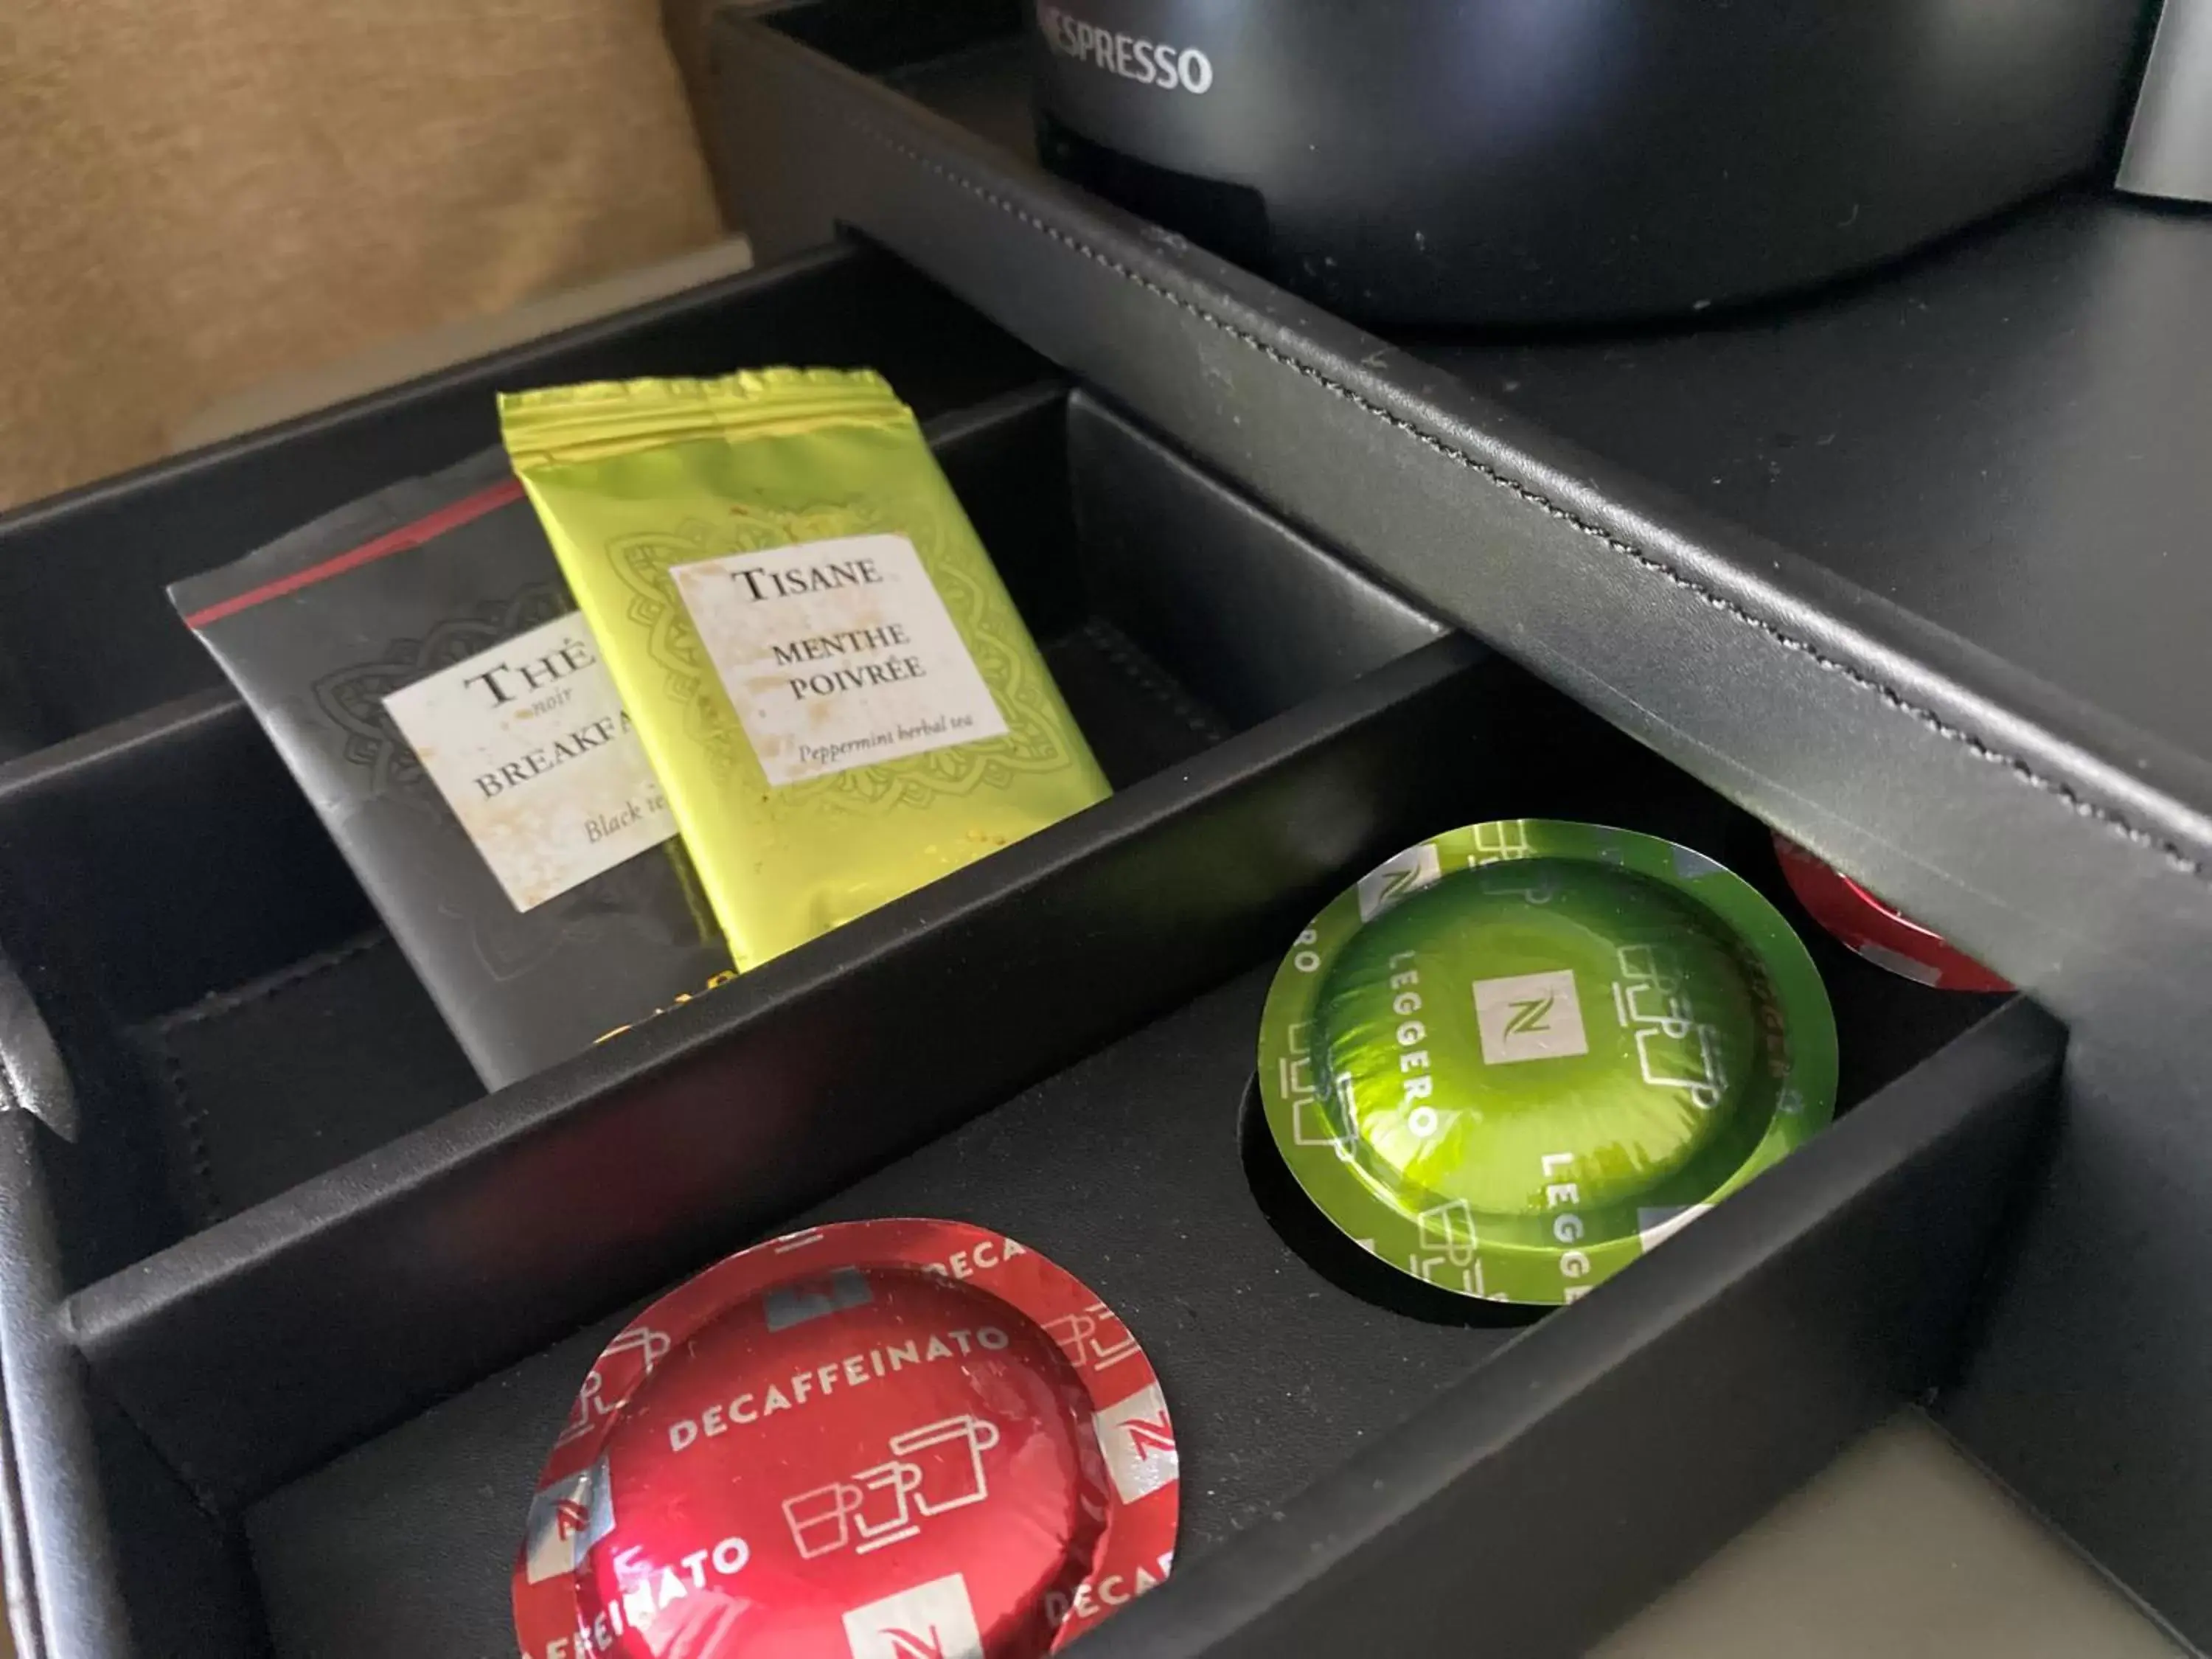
[{"x": 839, "y": 696}]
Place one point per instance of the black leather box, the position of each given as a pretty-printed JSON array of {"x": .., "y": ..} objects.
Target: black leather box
[
  {"x": 1911, "y": 568},
  {"x": 289, "y": 1315}
]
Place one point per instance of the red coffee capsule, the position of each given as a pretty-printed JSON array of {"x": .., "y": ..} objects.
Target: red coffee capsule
[
  {"x": 879, "y": 1440},
  {"x": 1882, "y": 935}
]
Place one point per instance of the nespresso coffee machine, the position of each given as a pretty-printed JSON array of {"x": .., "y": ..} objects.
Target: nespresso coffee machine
[{"x": 1536, "y": 161}]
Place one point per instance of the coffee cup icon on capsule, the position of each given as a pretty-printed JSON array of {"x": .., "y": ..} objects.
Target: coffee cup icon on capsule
[
  {"x": 932, "y": 1469},
  {"x": 1092, "y": 1338}
]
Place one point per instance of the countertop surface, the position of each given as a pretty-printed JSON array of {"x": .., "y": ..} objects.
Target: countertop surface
[{"x": 1901, "y": 1548}]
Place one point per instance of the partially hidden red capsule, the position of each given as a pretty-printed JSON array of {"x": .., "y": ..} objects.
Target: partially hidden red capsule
[
  {"x": 1876, "y": 931},
  {"x": 902, "y": 1439}
]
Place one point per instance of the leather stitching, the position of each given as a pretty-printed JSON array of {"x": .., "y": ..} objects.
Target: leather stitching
[
  {"x": 1122, "y": 655},
  {"x": 2176, "y": 856},
  {"x": 223, "y": 1003},
  {"x": 192, "y": 1112},
  {"x": 191, "y": 1116}
]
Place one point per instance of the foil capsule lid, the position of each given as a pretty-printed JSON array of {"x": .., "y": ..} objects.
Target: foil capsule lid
[
  {"x": 1514, "y": 1057},
  {"x": 876, "y": 1440},
  {"x": 1868, "y": 927}
]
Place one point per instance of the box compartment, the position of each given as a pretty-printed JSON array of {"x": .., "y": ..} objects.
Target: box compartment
[{"x": 290, "y": 1312}]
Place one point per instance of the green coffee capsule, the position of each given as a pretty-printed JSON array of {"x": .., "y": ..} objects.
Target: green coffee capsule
[{"x": 1514, "y": 1057}]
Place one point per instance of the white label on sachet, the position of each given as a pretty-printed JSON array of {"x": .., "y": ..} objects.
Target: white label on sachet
[
  {"x": 528, "y": 744},
  {"x": 836, "y": 654}
]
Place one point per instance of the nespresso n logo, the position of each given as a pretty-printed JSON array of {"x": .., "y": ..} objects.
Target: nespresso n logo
[{"x": 1150, "y": 62}]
